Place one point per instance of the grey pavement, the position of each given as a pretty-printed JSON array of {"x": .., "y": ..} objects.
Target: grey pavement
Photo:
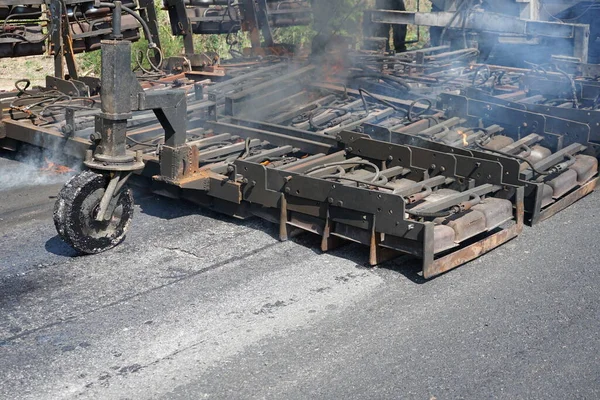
[{"x": 195, "y": 305}]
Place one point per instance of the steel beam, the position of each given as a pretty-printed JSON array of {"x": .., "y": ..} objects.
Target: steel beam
[{"x": 492, "y": 23}]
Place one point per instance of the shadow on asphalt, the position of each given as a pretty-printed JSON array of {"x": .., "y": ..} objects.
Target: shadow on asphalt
[
  {"x": 167, "y": 209},
  {"x": 408, "y": 266},
  {"x": 162, "y": 207},
  {"x": 56, "y": 246},
  {"x": 358, "y": 254}
]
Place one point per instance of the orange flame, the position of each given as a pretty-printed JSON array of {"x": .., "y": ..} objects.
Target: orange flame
[
  {"x": 464, "y": 137},
  {"x": 54, "y": 168}
]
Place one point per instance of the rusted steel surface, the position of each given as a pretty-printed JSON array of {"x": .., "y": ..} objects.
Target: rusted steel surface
[
  {"x": 571, "y": 198},
  {"x": 475, "y": 250},
  {"x": 371, "y": 158}
]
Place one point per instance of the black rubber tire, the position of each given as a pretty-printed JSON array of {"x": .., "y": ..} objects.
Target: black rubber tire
[{"x": 74, "y": 214}]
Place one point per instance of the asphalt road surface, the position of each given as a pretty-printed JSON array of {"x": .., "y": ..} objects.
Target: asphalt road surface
[{"x": 195, "y": 305}]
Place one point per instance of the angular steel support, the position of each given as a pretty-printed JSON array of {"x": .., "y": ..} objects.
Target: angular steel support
[
  {"x": 122, "y": 94},
  {"x": 493, "y": 23}
]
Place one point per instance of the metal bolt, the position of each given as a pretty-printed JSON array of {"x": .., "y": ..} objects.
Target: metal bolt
[
  {"x": 349, "y": 149},
  {"x": 410, "y": 227},
  {"x": 340, "y": 203},
  {"x": 288, "y": 190},
  {"x": 330, "y": 200}
]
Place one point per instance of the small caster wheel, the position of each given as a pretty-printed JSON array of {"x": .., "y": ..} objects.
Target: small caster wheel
[{"x": 76, "y": 209}]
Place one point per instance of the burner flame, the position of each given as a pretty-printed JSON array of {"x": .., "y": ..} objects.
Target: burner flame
[
  {"x": 464, "y": 137},
  {"x": 54, "y": 168}
]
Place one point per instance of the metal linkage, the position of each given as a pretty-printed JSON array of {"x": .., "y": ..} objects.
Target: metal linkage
[
  {"x": 94, "y": 209},
  {"x": 555, "y": 95},
  {"x": 429, "y": 79},
  {"x": 413, "y": 63},
  {"x": 485, "y": 22},
  {"x": 376, "y": 161},
  {"x": 552, "y": 158},
  {"x": 444, "y": 209},
  {"x": 552, "y": 164}
]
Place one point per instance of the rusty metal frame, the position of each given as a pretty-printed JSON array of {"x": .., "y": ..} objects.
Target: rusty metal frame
[
  {"x": 338, "y": 212},
  {"x": 432, "y": 268},
  {"x": 493, "y": 23}
]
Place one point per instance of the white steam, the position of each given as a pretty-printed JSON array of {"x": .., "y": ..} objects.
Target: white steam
[{"x": 31, "y": 168}]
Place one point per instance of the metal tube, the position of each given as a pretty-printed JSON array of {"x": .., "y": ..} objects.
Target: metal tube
[
  {"x": 107, "y": 197},
  {"x": 116, "y": 21}
]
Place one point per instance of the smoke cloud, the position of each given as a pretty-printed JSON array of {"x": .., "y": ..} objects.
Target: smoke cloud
[{"x": 32, "y": 167}]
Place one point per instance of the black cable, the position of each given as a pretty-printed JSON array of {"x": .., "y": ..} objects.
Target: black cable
[
  {"x": 21, "y": 36},
  {"x": 476, "y": 74},
  {"x": 140, "y": 143},
  {"x": 536, "y": 67},
  {"x": 458, "y": 12},
  {"x": 362, "y": 92},
  {"x": 573, "y": 86},
  {"x": 358, "y": 181},
  {"x": 384, "y": 77},
  {"x": 22, "y": 90},
  {"x": 418, "y": 114}
]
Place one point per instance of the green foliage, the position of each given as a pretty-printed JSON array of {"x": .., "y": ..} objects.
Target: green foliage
[
  {"x": 296, "y": 35},
  {"x": 89, "y": 62}
]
